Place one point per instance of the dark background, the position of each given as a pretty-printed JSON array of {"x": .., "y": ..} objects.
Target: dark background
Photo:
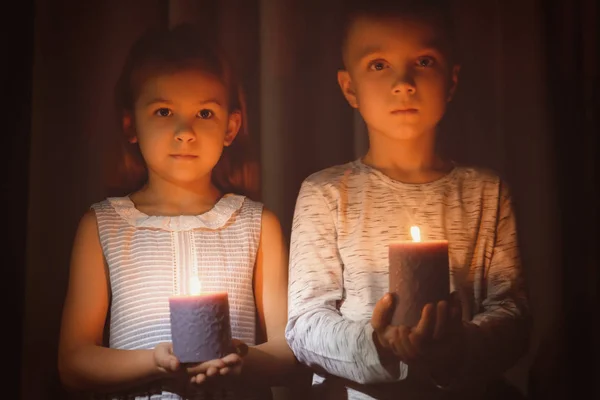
[{"x": 527, "y": 106}]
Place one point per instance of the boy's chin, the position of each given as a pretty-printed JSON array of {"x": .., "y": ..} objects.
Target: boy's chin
[{"x": 402, "y": 133}]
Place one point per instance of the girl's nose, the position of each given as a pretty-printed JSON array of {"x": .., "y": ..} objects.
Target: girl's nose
[{"x": 185, "y": 134}]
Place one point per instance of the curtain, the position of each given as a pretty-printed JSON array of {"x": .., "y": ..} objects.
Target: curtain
[{"x": 508, "y": 114}]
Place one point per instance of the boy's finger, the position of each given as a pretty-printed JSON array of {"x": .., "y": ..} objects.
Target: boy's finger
[
  {"x": 410, "y": 349},
  {"x": 382, "y": 313},
  {"x": 426, "y": 324},
  {"x": 441, "y": 320},
  {"x": 401, "y": 346},
  {"x": 397, "y": 347},
  {"x": 455, "y": 306}
]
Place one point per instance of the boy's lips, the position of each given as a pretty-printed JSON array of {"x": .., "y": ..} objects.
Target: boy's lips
[{"x": 406, "y": 110}]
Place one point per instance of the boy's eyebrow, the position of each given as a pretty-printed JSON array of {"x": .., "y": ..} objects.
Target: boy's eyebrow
[
  {"x": 367, "y": 51},
  {"x": 432, "y": 49},
  {"x": 161, "y": 100}
]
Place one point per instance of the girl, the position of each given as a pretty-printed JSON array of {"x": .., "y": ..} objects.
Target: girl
[{"x": 183, "y": 118}]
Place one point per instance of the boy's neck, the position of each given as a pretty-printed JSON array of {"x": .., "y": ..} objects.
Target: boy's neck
[
  {"x": 409, "y": 161},
  {"x": 160, "y": 197}
]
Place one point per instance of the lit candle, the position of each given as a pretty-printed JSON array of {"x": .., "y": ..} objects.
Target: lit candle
[
  {"x": 418, "y": 274},
  {"x": 200, "y": 327}
]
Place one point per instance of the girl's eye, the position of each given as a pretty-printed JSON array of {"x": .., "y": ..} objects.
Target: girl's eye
[
  {"x": 163, "y": 112},
  {"x": 425, "y": 62},
  {"x": 377, "y": 66},
  {"x": 205, "y": 114}
]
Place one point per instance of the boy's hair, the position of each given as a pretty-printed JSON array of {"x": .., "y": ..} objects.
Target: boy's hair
[
  {"x": 438, "y": 13},
  {"x": 185, "y": 47}
]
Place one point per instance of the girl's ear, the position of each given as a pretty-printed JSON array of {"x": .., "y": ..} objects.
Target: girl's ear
[
  {"x": 233, "y": 127},
  {"x": 128, "y": 127}
]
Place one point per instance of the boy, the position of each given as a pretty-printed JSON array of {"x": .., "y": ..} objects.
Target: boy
[{"x": 400, "y": 73}]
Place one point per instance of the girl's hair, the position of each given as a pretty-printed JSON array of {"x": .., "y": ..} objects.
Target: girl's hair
[{"x": 185, "y": 47}]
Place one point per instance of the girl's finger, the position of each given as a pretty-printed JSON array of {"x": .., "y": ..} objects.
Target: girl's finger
[
  {"x": 232, "y": 359},
  {"x": 241, "y": 348}
]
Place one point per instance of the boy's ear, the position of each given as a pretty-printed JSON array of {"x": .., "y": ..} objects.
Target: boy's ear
[
  {"x": 233, "y": 127},
  {"x": 128, "y": 128},
  {"x": 453, "y": 82},
  {"x": 345, "y": 82}
]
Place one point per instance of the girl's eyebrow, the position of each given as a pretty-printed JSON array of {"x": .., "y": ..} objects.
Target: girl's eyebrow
[
  {"x": 157, "y": 100},
  {"x": 369, "y": 50}
]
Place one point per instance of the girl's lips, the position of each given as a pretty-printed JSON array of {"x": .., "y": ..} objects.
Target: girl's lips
[{"x": 184, "y": 156}]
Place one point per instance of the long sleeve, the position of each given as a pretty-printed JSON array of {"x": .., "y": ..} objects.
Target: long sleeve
[
  {"x": 499, "y": 335},
  {"x": 318, "y": 334}
]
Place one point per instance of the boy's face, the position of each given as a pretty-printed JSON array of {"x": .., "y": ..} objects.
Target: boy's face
[{"x": 397, "y": 76}]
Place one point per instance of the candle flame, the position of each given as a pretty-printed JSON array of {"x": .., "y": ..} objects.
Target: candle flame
[
  {"x": 415, "y": 232},
  {"x": 195, "y": 286}
]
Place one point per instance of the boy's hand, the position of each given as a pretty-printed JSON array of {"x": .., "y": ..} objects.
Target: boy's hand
[
  {"x": 230, "y": 365},
  {"x": 428, "y": 341},
  {"x": 393, "y": 342},
  {"x": 442, "y": 356},
  {"x": 439, "y": 324}
]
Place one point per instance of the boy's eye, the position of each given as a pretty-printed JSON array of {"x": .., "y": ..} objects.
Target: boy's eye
[
  {"x": 425, "y": 62},
  {"x": 377, "y": 65},
  {"x": 163, "y": 112},
  {"x": 205, "y": 114}
]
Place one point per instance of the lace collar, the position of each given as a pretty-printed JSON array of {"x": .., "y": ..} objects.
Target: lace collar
[{"x": 214, "y": 218}]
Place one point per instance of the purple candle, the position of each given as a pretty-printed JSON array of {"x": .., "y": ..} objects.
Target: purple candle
[
  {"x": 200, "y": 327},
  {"x": 419, "y": 274}
]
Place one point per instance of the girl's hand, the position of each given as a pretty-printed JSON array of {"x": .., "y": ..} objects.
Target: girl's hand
[
  {"x": 164, "y": 359},
  {"x": 230, "y": 365}
]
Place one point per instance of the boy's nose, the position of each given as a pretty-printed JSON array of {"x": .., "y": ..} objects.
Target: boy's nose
[{"x": 404, "y": 84}]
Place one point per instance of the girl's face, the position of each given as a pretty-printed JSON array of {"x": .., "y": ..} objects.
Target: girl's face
[{"x": 182, "y": 121}]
